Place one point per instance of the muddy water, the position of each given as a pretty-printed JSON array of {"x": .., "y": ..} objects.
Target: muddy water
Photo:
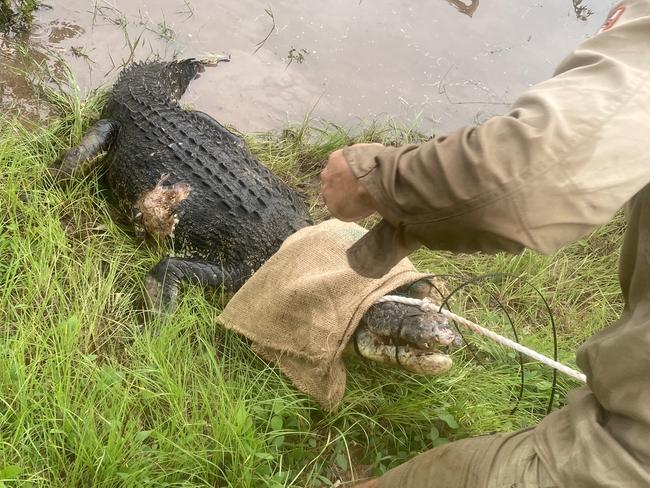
[{"x": 444, "y": 63}]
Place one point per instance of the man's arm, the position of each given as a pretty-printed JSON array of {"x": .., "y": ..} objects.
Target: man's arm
[
  {"x": 347, "y": 199},
  {"x": 569, "y": 154}
]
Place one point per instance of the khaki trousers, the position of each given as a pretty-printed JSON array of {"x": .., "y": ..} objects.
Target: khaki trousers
[{"x": 494, "y": 461}]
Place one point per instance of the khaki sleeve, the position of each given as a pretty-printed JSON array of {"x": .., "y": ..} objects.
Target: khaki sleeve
[{"x": 566, "y": 157}]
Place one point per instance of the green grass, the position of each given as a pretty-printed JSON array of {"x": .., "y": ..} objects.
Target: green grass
[
  {"x": 94, "y": 392},
  {"x": 17, "y": 15}
]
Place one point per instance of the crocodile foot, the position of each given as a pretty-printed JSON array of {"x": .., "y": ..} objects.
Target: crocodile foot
[
  {"x": 164, "y": 282},
  {"x": 396, "y": 334}
]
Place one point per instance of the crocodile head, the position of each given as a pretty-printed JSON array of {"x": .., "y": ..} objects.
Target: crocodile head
[
  {"x": 397, "y": 334},
  {"x": 404, "y": 335}
]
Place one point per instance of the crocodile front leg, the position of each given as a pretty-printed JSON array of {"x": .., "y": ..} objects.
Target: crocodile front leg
[
  {"x": 81, "y": 159},
  {"x": 164, "y": 282}
]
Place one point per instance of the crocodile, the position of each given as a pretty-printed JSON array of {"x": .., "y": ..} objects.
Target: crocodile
[{"x": 186, "y": 181}]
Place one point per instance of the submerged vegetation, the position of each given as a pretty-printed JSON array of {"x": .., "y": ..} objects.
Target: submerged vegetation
[{"x": 96, "y": 392}]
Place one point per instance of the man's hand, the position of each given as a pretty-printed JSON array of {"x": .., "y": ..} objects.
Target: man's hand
[{"x": 344, "y": 196}]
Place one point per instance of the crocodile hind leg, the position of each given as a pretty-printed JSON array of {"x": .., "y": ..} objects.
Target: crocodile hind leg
[
  {"x": 164, "y": 282},
  {"x": 81, "y": 159}
]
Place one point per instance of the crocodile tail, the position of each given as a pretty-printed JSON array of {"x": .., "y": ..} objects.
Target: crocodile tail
[
  {"x": 156, "y": 78},
  {"x": 178, "y": 74}
]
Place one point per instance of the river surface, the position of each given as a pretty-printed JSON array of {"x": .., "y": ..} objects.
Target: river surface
[{"x": 438, "y": 64}]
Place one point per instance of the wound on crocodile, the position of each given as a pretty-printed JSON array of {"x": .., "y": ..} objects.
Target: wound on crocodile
[{"x": 157, "y": 208}]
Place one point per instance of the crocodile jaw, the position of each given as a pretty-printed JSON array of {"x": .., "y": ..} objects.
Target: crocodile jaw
[{"x": 422, "y": 361}]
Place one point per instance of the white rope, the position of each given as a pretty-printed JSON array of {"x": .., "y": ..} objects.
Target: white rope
[{"x": 427, "y": 304}]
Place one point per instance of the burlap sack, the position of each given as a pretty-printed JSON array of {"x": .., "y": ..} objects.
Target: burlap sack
[{"x": 302, "y": 307}]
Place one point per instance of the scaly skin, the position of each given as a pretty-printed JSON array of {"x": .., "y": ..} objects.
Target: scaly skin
[
  {"x": 183, "y": 178},
  {"x": 237, "y": 212}
]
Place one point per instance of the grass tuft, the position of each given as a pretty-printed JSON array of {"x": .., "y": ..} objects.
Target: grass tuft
[{"x": 17, "y": 16}]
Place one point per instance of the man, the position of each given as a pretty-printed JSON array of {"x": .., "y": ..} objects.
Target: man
[{"x": 571, "y": 152}]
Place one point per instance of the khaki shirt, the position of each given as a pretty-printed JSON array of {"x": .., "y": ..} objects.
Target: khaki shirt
[{"x": 572, "y": 151}]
